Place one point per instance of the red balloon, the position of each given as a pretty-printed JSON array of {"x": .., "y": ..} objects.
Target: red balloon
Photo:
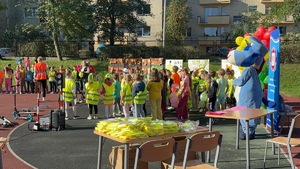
[
  {"x": 258, "y": 35},
  {"x": 266, "y": 43},
  {"x": 247, "y": 34},
  {"x": 270, "y": 29},
  {"x": 267, "y": 36},
  {"x": 261, "y": 29}
]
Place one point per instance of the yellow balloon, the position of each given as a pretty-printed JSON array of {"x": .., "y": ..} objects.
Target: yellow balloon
[
  {"x": 238, "y": 40},
  {"x": 240, "y": 48},
  {"x": 266, "y": 57},
  {"x": 244, "y": 43}
]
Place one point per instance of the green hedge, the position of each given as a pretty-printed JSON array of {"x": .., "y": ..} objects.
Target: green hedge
[{"x": 290, "y": 53}]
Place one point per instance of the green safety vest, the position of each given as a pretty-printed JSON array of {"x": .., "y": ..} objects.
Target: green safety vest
[
  {"x": 128, "y": 94},
  {"x": 201, "y": 85},
  {"x": 140, "y": 97},
  {"x": 195, "y": 82},
  {"x": 92, "y": 94},
  {"x": 68, "y": 95},
  {"x": 108, "y": 95}
]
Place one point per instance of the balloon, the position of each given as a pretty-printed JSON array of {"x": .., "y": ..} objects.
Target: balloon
[
  {"x": 266, "y": 43},
  {"x": 267, "y": 36},
  {"x": 270, "y": 29},
  {"x": 201, "y": 104},
  {"x": 266, "y": 57},
  {"x": 238, "y": 40},
  {"x": 261, "y": 30},
  {"x": 244, "y": 43},
  {"x": 258, "y": 35},
  {"x": 247, "y": 34},
  {"x": 203, "y": 96}
]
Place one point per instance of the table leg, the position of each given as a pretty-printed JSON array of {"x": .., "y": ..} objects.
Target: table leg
[
  {"x": 99, "y": 152},
  {"x": 126, "y": 157},
  {"x": 210, "y": 129},
  {"x": 272, "y": 132},
  {"x": 237, "y": 141},
  {"x": 247, "y": 145}
]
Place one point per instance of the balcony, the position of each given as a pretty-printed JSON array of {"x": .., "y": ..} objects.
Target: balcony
[
  {"x": 215, "y": 20},
  {"x": 267, "y": 2},
  {"x": 210, "y": 40},
  {"x": 214, "y": 2}
]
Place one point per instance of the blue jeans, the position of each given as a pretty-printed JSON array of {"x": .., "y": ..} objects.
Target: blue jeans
[
  {"x": 252, "y": 125},
  {"x": 138, "y": 110}
]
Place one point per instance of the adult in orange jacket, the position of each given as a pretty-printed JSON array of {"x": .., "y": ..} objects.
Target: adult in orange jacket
[{"x": 41, "y": 74}]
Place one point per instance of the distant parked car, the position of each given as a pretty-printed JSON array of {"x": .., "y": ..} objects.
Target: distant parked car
[{"x": 4, "y": 51}]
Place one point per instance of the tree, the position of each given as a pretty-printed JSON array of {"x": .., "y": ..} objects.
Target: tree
[
  {"x": 289, "y": 8},
  {"x": 114, "y": 17},
  {"x": 177, "y": 17},
  {"x": 73, "y": 18}
]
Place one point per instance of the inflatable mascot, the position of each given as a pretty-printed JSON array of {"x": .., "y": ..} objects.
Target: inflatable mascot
[{"x": 251, "y": 94}]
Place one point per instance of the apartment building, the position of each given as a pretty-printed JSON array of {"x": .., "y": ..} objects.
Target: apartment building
[
  {"x": 210, "y": 18},
  {"x": 15, "y": 14}
]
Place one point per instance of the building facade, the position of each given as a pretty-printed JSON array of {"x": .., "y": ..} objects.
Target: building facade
[{"x": 211, "y": 18}]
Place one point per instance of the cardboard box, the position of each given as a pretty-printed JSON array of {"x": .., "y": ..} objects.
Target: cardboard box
[{"x": 116, "y": 158}]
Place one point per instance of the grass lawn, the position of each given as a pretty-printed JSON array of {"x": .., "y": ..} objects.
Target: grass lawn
[{"x": 289, "y": 75}]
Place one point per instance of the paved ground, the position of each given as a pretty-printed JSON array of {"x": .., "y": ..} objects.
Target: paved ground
[{"x": 76, "y": 147}]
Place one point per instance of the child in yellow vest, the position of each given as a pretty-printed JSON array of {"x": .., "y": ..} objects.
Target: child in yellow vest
[
  {"x": 108, "y": 99},
  {"x": 92, "y": 96},
  {"x": 69, "y": 93},
  {"x": 126, "y": 95}
]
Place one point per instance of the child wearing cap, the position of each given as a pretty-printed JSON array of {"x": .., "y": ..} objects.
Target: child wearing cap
[{"x": 108, "y": 99}]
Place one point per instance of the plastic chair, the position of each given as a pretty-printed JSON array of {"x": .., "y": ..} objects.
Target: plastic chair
[
  {"x": 284, "y": 114},
  {"x": 288, "y": 141},
  {"x": 156, "y": 150},
  {"x": 201, "y": 142}
]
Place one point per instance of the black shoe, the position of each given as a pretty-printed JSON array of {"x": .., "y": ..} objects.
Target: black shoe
[{"x": 252, "y": 136}]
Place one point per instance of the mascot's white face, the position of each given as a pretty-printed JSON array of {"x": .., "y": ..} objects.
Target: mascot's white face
[{"x": 252, "y": 54}]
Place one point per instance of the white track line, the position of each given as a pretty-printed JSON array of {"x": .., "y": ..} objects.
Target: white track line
[{"x": 12, "y": 152}]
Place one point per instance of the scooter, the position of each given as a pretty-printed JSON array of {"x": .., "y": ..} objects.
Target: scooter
[{"x": 26, "y": 111}]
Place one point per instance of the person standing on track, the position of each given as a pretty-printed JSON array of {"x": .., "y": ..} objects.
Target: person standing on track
[{"x": 41, "y": 75}]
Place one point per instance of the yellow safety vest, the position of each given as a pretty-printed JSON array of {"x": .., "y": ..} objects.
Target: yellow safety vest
[
  {"x": 141, "y": 96},
  {"x": 108, "y": 95},
  {"x": 68, "y": 95},
  {"x": 195, "y": 82},
  {"x": 201, "y": 85},
  {"x": 92, "y": 93},
  {"x": 128, "y": 94}
]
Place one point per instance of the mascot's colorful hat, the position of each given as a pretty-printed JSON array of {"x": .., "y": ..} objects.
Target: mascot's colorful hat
[{"x": 253, "y": 54}]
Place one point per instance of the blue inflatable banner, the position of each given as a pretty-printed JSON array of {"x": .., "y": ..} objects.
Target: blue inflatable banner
[{"x": 274, "y": 77}]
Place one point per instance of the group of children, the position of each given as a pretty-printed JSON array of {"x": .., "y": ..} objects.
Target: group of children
[
  {"x": 22, "y": 75},
  {"x": 130, "y": 91}
]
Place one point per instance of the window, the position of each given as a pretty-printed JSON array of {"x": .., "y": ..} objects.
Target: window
[
  {"x": 222, "y": 30},
  {"x": 188, "y": 32},
  {"x": 144, "y": 10},
  {"x": 144, "y": 31},
  {"x": 252, "y": 8},
  {"x": 237, "y": 19},
  {"x": 223, "y": 10},
  {"x": 210, "y": 12},
  {"x": 30, "y": 12},
  {"x": 210, "y": 31},
  {"x": 267, "y": 10}
]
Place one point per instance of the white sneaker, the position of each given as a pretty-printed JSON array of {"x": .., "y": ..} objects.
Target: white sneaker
[
  {"x": 89, "y": 117},
  {"x": 95, "y": 117},
  {"x": 43, "y": 99},
  {"x": 66, "y": 118}
]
